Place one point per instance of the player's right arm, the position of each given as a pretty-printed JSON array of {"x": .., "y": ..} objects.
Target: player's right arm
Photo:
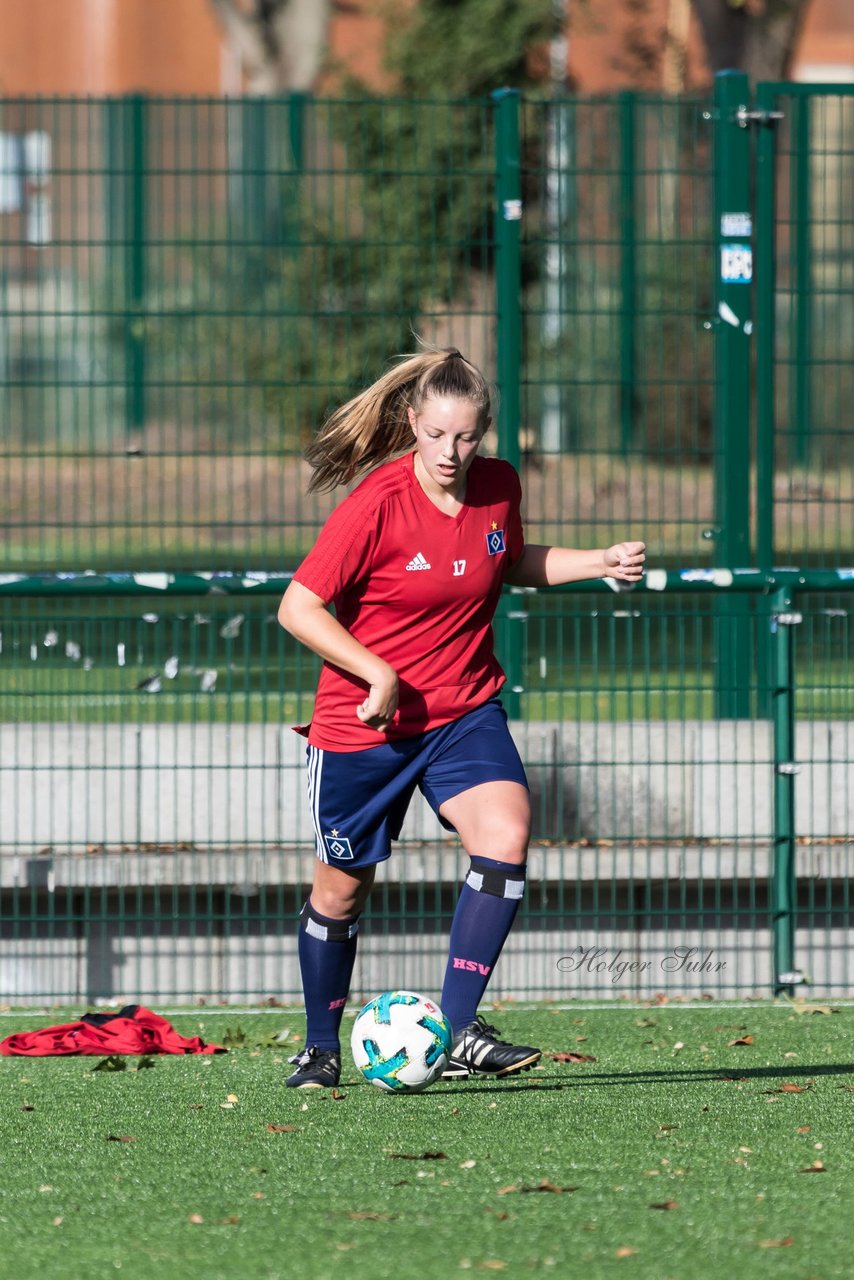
[{"x": 305, "y": 615}]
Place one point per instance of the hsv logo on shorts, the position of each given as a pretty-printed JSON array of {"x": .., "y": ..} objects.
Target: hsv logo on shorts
[
  {"x": 338, "y": 846},
  {"x": 418, "y": 562}
]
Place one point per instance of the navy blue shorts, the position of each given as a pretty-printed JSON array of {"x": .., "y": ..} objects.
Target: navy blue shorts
[{"x": 359, "y": 799}]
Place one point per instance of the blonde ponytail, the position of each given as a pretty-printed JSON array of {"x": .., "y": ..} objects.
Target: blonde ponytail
[{"x": 374, "y": 427}]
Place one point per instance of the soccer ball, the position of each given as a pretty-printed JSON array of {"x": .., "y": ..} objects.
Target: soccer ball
[{"x": 401, "y": 1041}]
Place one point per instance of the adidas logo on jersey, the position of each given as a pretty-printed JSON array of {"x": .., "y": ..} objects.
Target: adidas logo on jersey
[{"x": 418, "y": 562}]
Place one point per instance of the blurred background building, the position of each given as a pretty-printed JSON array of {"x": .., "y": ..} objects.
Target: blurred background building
[{"x": 172, "y": 47}]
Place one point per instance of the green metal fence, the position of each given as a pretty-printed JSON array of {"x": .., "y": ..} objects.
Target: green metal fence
[
  {"x": 185, "y": 286},
  {"x": 156, "y": 840}
]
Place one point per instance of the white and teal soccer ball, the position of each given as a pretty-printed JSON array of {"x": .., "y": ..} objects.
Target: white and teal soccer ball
[{"x": 401, "y": 1041}]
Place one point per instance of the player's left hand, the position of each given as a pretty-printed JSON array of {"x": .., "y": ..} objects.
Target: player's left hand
[{"x": 625, "y": 561}]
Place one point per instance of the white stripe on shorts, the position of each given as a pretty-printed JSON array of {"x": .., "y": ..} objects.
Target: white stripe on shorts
[{"x": 315, "y": 772}]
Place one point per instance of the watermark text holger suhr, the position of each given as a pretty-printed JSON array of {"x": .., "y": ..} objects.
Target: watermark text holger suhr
[{"x": 616, "y": 965}]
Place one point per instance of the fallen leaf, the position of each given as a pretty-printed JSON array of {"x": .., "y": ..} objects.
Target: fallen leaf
[
  {"x": 231, "y": 1221},
  {"x": 468, "y": 1164},
  {"x": 805, "y": 1128},
  {"x": 232, "y": 1097},
  {"x": 817, "y": 1166},
  {"x": 425, "y": 1155},
  {"x": 665, "y": 1204},
  {"x": 111, "y": 1137},
  {"x": 625, "y": 1251},
  {"x": 371, "y": 1217},
  {"x": 801, "y": 1006},
  {"x": 283, "y": 1128},
  {"x": 491, "y": 1264},
  {"x": 545, "y": 1185},
  {"x": 570, "y": 1057},
  {"x": 195, "y": 1218},
  {"x": 740, "y": 1040},
  {"x": 666, "y": 1128},
  {"x": 27, "y": 1107},
  {"x": 111, "y": 1063},
  {"x": 57, "y": 1222},
  {"x": 777, "y": 1244},
  {"x": 337, "y": 1095},
  {"x": 792, "y": 1088}
]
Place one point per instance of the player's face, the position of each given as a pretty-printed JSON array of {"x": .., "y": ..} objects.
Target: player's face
[{"x": 447, "y": 435}]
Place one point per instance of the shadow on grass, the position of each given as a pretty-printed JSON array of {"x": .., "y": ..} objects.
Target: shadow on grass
[
  {"x": 722, "y": 1074},
  {"x": 590, "y": 1079}
]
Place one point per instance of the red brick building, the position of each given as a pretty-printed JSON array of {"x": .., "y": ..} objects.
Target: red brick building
[{"x": 176, "y": 47}]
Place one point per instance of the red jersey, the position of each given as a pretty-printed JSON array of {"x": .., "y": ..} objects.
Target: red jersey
[{"x": 418, "y": 588}]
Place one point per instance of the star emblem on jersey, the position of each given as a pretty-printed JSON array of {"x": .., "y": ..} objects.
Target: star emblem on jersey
[
  {"x": 495, "y": 541},
  {"x": 338, "y": 846},
  {"x": 418, "y": 562},
  {"x": 494, "y": 525}
]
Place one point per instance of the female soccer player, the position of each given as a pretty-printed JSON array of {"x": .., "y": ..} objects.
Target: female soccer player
[{"x": 413, "y": 561}]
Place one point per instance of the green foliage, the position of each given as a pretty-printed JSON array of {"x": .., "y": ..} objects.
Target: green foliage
[{"x": 467, "y": 48}]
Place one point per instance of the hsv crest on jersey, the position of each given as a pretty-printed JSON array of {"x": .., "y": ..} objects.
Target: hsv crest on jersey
[
  {"x": 418, "y": 562},
  {"x": 338, "y": 846},
  {"x": 495, "y": 542}
]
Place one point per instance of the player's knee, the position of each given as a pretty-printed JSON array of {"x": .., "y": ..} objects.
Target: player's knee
[
  {"x": 340, "y": 897},
  {"x": 507, "y": 841}
]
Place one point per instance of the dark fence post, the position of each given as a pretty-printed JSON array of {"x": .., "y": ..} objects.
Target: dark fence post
[
  {"x": 784, "y": 884},
  {"x": 508, "y": 272},
  {"x": 135, "y": 268},
  {"x": 628, "y": 268},
  {"x": 733, "y": 327}
]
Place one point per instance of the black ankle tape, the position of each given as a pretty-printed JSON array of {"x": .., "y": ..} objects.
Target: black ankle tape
[
  {"x": 326, "y": 930},
  {"x": 501, "y": 884}
]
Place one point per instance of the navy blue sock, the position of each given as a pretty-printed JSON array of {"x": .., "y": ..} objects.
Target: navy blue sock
[
  {"x": 485, "y": 912},
  {"x": 327, "y": 953}
]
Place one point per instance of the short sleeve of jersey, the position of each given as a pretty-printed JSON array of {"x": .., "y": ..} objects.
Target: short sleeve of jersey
[
  {"x": 515, "y": 531},
  {"x": 342, "y": 553}
]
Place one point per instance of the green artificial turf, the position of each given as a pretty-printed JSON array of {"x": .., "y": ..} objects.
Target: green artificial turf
[{"x": 677, "y": 1153}]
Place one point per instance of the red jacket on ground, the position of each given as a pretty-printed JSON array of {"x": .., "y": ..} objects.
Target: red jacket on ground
[{"x": 133, "y": 1030}]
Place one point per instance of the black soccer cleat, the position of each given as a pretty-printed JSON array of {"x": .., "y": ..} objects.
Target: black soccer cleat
[
  {"x": 478, "y": 1051},
  {"x": 315, "y": 1069}
]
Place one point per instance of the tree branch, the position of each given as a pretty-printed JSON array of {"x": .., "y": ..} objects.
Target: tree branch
[{"x": 280, "y": 43}]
